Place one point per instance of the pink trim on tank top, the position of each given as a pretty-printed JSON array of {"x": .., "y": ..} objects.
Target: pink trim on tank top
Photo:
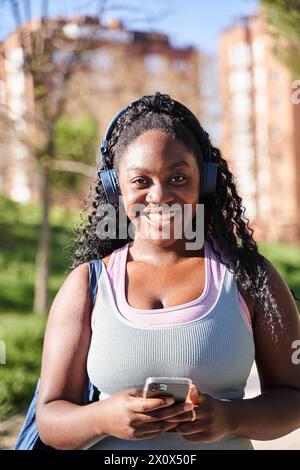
[{"x": 182, "y": 313}]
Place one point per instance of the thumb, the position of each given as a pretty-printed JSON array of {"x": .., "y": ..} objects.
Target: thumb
[{"x": 194, "y": 394}]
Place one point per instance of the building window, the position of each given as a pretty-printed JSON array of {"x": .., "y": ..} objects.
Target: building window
[
  {"x": 258, "y": 51},
  {"x": 239, "y": 82},
  {"x": 261, "y": 131},
  {"x": 263, "y": 178},
  {"x": 100, "y": 60},
  {"x": 264, "y": 204},
  {"x": 243, "y": 156},
  {"x": 180, "y": 65},
  {"x": 260, "y": 78},
  {"x": 239, "y": 55},
  {"x": 242, "y": 126},
  {"x": 261, "y": 103},
  {"x": 241, "y": 105},
  {"x": 155, "y": 64},
  {"x": 242, "y": 139}
]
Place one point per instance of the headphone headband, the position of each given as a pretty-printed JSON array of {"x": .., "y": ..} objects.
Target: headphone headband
[
  {"x": 109, "y": 177},
  {"x": 108, "y": 132}
]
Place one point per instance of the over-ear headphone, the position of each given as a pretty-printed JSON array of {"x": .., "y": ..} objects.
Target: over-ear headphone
[{"x": 109, "y": 177}]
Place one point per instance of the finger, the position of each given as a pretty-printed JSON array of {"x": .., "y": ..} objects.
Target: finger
[
  {"x": 143, "y": 405},
  {"x": 180, "y": 418},
  {"x": 149, "y": 428},
  {"x": 149, "y": 435},
  {"x": 195, "y": 395},
  {"x": 172, "y": 411}
]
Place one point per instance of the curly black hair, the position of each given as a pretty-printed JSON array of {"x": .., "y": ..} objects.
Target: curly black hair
[{"x": 226, "y": 226}]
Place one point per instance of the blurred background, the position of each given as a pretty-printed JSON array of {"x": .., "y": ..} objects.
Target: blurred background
[{"x": 66, "y": 68}]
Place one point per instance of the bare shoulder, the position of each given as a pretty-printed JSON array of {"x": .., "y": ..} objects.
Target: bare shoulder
[
  {"x": 74, "y": 290},
  {"x": 274, "y": 342}
]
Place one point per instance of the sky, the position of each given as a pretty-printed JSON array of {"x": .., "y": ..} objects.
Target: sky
[{"x": 188, "y": 22}]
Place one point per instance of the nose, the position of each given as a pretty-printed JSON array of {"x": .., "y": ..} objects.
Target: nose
[{"x": 158, "y": 194}]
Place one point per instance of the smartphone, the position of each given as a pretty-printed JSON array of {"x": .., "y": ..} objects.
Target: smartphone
[{"x": 177, "y": 387}]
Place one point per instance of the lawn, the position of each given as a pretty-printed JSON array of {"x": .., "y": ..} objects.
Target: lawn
[
  {"x": 19, "y": 328},
  {"x": 22, "y": 331}
]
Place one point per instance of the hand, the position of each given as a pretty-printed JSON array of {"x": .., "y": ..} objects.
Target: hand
[
  {"x": 127, "y": 415},
  {"x": 213, "y": 419}
]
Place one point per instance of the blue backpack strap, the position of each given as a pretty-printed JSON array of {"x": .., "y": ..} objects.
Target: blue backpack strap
[
  {"x": 95, "y": 268},
  {"x": 29, "y": 438}
]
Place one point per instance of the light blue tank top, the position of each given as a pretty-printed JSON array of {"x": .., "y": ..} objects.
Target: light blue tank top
[{"x": 216, "y": 351}]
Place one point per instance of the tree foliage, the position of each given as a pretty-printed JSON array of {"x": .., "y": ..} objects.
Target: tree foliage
[
  {"x": 75, "y": 139},
  {"x": 284, "y": 15}
]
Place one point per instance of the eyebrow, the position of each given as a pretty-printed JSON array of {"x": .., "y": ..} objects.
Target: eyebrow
[{"x": 174, "y": 165}]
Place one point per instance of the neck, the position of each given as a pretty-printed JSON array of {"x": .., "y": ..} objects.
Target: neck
[{"x": 153, "y": 252}]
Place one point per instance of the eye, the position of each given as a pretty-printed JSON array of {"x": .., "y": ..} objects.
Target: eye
[
  {"x": 177, "y": 177},
  {"x": 140, "y": 180}
]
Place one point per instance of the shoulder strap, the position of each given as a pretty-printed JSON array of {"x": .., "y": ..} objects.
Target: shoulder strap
[{"x": 95, "y": 268}]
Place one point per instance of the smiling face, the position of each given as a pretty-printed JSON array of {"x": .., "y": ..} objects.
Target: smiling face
[{"x": 155, "y": 171}]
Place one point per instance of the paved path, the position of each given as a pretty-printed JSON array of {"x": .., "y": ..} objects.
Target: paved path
[{"x": 10, "y": 428}]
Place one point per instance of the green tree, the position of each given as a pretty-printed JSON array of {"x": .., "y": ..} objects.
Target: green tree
[
  {"x": 74, "y": 148},
  {"x": 49, "y": 59},
  {"x": 284, "y": 16}
]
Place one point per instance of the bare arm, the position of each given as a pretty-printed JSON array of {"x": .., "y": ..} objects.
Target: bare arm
[
  {"x": 62, "y": 421},
  {"x": 276, "y": 412}
]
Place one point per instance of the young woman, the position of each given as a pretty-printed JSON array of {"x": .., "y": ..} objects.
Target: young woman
[{"x": 166, "y": 308}]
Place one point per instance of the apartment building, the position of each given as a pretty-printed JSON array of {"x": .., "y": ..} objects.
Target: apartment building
[
  {"x": 119, "y": 66},
  {"x": 260, "y": 128}
]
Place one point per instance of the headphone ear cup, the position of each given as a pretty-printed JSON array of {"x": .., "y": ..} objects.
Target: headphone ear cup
[
  {"x": 110, "y": 183},
  {"x": 209, "y": 176}
]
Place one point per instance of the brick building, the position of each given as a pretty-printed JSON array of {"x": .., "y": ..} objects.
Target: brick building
[
  {"x": 261, "y": 128},
  {"x": 119, "y": 66}
]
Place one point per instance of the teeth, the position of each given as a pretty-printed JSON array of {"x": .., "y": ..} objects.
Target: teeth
[{"x": 156, "y": 216}]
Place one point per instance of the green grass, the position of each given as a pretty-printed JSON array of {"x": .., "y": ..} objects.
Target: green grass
[
  {"x": 19, "y": 328},
  {"x": 286, "y": 259},
  {"x": 23, "y": 336},
  {"x": 19, "y": 229}
]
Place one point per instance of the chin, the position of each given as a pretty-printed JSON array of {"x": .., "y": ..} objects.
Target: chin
[{"x": 162, "y": 242}]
